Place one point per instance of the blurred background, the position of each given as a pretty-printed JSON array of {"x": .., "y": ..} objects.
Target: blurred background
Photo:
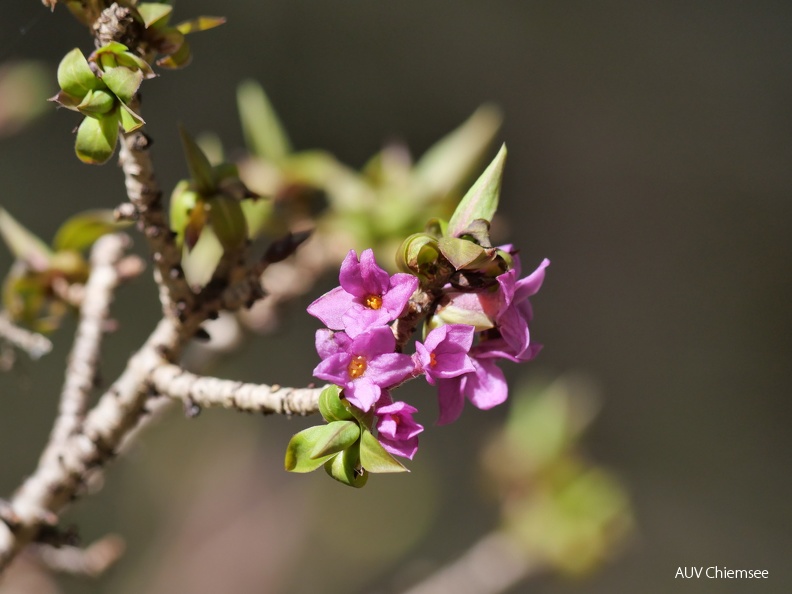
[{"x": 649, "y": 159}]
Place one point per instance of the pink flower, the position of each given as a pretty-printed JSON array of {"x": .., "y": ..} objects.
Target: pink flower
[
  {"x": 444, "y": 353},
  {"x": 364, "y": 365},
  {"x": 396, "y": 429},
  {"x": 485, "y": 388},
  {"x": 368, "y": 296}
]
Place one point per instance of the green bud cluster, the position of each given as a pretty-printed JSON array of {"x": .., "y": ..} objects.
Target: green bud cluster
[
  {"x": 345, "y": 446},
  {"x": 101, "y": 88},
  {"x": 31, "y": 294},
  {"x": 207, "y": 210}
]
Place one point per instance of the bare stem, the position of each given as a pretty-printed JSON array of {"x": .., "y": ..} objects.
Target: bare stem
[
  {"x": 492, "y": 565},
  {"x": 175, "y": 382},
  {"x": 84, "y": 358},
  {"x": 34, "y": 344}
]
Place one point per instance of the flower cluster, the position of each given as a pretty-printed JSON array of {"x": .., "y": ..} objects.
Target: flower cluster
[
  {"x": 473, "y": 310},
  {"x": 359, "y": 350}
]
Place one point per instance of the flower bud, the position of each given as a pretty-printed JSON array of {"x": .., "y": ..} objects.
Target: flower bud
[
  {"x": 331, "y": 406},
  {"x": 417, "y": 253}
]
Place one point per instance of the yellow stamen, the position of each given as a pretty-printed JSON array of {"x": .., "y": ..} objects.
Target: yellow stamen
[
  {"x": 356, "y": 367},
  {"x": 373, "y": 301}
]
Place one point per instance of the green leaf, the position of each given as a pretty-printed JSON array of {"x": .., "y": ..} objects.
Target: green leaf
[
  {"x": 375, "y": 458},
  {"x": 200, "y": 169},
  {"x": 96, "y": 139},
  {"x": 331, "y": 406},
  {"x": 298, "y": 452},
  {"x": 183, "y": 201},
  {"x": 154, "y": 14},
  {"x": 450, "y": 161},
  {"x": 336, "y": 436},
  {"x": 23, "y": 244},
  {"x": 345, "y": 467},
  {"x": 130, "y": 121},
  {"x": 123, "y": 82},
  {"x": 75, "y": 76},
  {"x": 460, "y": 252},
  {"x": 202, "y": 23},
  {"x": 179, "y": 58},
  {"x": 228, "y": 221},
  {"x": 200, "y": 263},
  {"x": 83, "y": 229},
  {"x": 96, "y": 102},
  {"x": 481, "y": 201},
  {"x": 264, "y": 133}
]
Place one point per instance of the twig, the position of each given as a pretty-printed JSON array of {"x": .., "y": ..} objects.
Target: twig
[
  {"x": 492, "y": 565},
  {"x": 92, "y": 561},
  {"x": 205, "y": 392},
  {"x": 84, "y": 357},
  {"x": 144, "y": 193},
  {"x": 34, "y": 344}
]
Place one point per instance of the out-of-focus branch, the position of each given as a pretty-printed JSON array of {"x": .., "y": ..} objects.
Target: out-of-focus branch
[
  {"x": 34, "y": 344},
  {"x": 492, "y": 565},
  {"x": 84, "y": 357},
  {"x": 91, "y": 561},
  {"x": 175, "y": 382}
]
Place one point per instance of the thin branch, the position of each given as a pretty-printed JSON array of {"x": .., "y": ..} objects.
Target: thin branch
[
  {"x": 492, "y": 565},
  {"x": 91, "y": 561},
  {"x": 34, "y": 344},
  {"x": 144, "y": 193},
  {"x": 205, "y": 392},
  {"x": 84, "y": 357},
  {"x": 60, "y": 478}
]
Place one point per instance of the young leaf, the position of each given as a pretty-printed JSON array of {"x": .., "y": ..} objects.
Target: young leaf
[
  {"x": 345, "y": 467},
  {"x": 23, "y": 244},
  {"x": 200, "y": 263},
  {"x": 154, "y": 14},
  {"x": 330, "y": 405},
  {"x": 75, "y": 76},
  {"x": 450, "y": 161},
  {"x": 336, "y": 436},
  {"x": 83, "y": 229},
  {"x": 123, "y": 82},
  {"x": 375, "y": 458},
  {"x": 96, "y": 139},
  {"x": 481, "y": 201},
  {"x": 298, "y": 452},
  {"x": 202, "y": 23},
  {"x": 130, "y": 121},
  {"x": 198, "y": 165},
  {"x": 96, "y": 102},
  {"x": 179, "y": 58},
  {"x": 460, "y": 252},
  {"x": 264, "y": 133}
]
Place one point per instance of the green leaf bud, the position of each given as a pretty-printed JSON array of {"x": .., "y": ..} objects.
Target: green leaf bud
[
  {"x": 375, "y": 458},
  {"x": 345, "y": 467},
  {"x": 331, "y": 406},
  {"x": 337, "y": 436},
  {"x": 75, "y": 76},
  {"x": 298, "y": 452},
  {"x": 228, "y": 221},
  {"x": 96, "y": 139}
]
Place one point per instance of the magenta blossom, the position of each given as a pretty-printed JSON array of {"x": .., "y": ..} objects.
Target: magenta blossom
[
  {"x": 444, "y": 353},
  {"x": 515, "y": 312},
  {"x": 368, "y": 296},
  {"x": 485, "y": 387},
  {"x": 396, "y": 429},
  {"x": 364, "y": 365}
]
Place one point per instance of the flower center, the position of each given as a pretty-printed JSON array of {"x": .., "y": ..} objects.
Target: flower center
[
  {"x": 373, "y": 301},
  {"x": 432, "y": 359},
  {"x": 356, "y": 367}
]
